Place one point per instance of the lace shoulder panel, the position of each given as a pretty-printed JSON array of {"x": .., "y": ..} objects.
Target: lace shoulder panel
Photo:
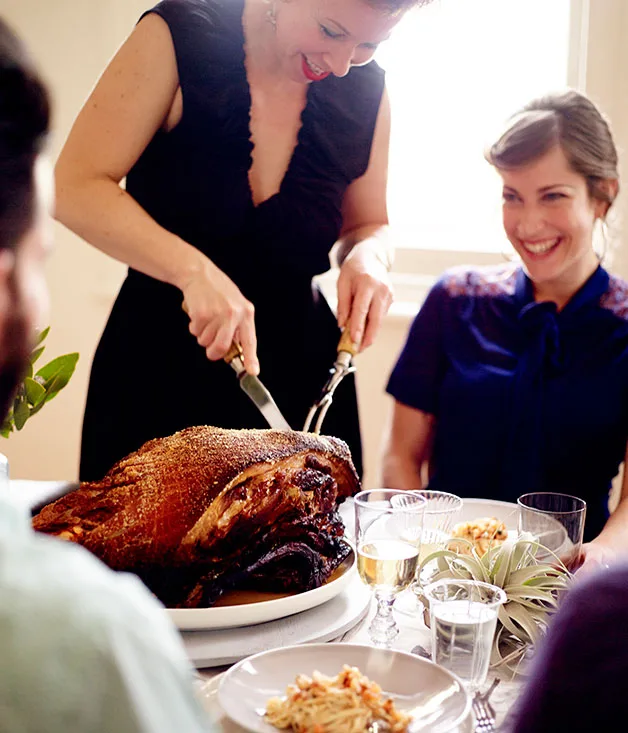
[
  {"x": 615, "y": 298},
  {"x": 492, "y": 281}
]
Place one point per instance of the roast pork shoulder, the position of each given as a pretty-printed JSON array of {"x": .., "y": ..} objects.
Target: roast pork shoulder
[{"x": 206, "y": 510}]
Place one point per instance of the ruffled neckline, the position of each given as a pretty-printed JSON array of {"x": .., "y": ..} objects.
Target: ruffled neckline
[{"x": 324, "y": 109}]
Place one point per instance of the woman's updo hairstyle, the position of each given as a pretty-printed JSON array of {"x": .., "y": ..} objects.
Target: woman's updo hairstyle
[{"x": 568, "y": 119}]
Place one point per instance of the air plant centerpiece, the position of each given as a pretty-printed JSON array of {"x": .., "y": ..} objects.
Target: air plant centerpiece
[
  {"x": 533, "y": 589},
  {"x": 38, "y": 387}
]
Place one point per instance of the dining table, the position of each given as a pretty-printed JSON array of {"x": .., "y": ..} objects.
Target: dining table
[{"x": 414, "y": 636}]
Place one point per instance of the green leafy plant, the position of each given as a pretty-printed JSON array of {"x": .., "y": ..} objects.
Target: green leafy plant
[
  {"x": 38, "y": 387},
  {"x": 533, "y": 591}
]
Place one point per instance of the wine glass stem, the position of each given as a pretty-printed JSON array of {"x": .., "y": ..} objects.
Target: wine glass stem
[{"x": 383, "y": 628}]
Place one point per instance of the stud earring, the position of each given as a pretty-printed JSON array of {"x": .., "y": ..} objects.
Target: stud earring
[
  {"x": 600, "y": 238},
  {"x": 604, "y": 237}
]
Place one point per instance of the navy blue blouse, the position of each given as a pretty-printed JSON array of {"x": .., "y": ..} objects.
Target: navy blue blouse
[{"x": 527, "y": 398}]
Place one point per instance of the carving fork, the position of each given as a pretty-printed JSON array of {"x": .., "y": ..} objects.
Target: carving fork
[{"x": 342, "y": 366}]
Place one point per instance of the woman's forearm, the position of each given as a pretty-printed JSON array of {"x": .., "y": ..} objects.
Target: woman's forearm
[
  {"x": 614, "y": 535},
  {"x": 106, "y": 216},
  {"x": 401, "y": 472},
  {"x": 110, "y": 219},
  {"x": 407, "y": 447}
]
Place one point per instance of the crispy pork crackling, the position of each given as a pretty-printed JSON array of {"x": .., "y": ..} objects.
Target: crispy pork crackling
[{"x": 207, "y": 509}]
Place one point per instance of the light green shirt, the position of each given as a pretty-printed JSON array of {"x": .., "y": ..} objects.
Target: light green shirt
[{"x": 84, "y": 649}]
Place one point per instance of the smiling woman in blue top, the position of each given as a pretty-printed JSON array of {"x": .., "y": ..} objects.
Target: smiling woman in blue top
[{"x": 515, "y": 378}]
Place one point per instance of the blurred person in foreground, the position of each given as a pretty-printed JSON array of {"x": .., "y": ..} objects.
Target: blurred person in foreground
[
  {"x": 577, "y": 678},
  {"x": 83, "y": 649}
]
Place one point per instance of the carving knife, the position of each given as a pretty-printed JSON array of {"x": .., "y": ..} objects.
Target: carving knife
[{"x": 255, "y": 390}]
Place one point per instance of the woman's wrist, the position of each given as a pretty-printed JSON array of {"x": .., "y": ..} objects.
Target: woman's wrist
[
  {"x": 188, "y": 264},
  {"x": 371, "y": 241},
  {"x": 373, "y": 248}
]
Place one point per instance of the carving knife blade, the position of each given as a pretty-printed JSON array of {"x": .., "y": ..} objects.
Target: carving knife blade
[
  {"x": 255, "y": 390},
  {"x": 264, "y": 402}
]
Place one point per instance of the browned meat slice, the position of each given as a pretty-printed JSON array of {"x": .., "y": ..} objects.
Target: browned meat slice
[{"x": 208, "y": 509}]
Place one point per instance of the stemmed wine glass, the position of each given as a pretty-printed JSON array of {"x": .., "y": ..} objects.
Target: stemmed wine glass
[
  {"x": 441, "y": 509},
  {"x": 388, "y": 540}
]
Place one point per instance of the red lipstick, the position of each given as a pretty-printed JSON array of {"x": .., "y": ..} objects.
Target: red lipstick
[{"x": 309, "y": 73}]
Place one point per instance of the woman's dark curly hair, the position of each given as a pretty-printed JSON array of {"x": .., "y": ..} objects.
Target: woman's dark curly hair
[{"x": 24, "y": 124}]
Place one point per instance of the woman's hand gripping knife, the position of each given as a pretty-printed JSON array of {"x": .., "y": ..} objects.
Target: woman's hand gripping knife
[{"x": 220, "y": 315}]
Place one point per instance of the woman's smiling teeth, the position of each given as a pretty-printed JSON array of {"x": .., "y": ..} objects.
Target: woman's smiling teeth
[
  {"x": 314, "y": 67},
  {"x": 539, "y": 248}
]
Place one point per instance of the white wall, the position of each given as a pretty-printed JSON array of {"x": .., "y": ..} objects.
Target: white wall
[
  {"x": 73, "y": 40},
  {"x": 606, "y": 81}
]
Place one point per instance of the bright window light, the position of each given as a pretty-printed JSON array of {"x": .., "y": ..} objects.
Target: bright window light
[{"x": 456, "y": 69}]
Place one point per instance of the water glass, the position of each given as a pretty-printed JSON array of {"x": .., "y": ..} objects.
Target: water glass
[
  {"x": 388, "y": 539},
  {"x": 463, "y": 620},
  {"x": 557, "y": 523}
]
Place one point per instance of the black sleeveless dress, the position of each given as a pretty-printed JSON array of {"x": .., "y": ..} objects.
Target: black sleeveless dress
[{"x": 149, "y": 376}]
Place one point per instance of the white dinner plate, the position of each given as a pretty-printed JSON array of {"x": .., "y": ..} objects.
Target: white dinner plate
[
  {"x": 327, "y": 622},
  {"x": 505, "y": 511},
  {"x": 207, "y": 694},
  {"x": 508, "y": 512},
  {"x": 245, "y": 608},
  {"x": 436, "y": 697}
]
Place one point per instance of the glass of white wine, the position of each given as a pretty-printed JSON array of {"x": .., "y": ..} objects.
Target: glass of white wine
[{"x": 388, "y": 541}]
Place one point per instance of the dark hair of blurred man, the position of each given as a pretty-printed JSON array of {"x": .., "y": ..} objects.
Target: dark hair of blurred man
[{"x": 25, "y": 200}]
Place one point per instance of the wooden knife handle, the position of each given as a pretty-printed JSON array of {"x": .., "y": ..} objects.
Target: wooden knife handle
[
  {"x": 234, "y": 350},
  {"x": 346, "y": 344}
]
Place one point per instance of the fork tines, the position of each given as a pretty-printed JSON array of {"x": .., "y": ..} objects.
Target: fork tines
[{"x": 484, "y": 714}]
